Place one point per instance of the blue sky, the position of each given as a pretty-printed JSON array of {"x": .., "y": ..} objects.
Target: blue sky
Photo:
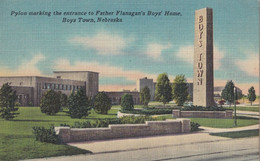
[{"x": 137, "y": 47}]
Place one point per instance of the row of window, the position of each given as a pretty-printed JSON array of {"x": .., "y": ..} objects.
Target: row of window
[{"x": 61, "y": 86}]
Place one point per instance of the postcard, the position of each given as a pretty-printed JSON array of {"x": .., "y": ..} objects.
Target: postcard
[{"x": 129, "y": 80}]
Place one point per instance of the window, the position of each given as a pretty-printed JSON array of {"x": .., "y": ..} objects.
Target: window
[
  {"x": 48, "y": 86},
  {"x": 66, "y": 87},
  {"x": 51, "y": 86},
  {"x": 69, "y": 86}
]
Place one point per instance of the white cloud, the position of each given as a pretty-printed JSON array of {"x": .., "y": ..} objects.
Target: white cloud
[
  {"x": 155, "y": 50},
  {"x": 104, "y": 43},
  {"x": 186, "y": 53},
  {"x": 249, "y": 64},
  {"x": 105, "y": 70},
  {"x": 27, "y": 68}
]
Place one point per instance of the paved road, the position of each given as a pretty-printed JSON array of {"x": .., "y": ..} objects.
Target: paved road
[{"x": 188, "y": 147}]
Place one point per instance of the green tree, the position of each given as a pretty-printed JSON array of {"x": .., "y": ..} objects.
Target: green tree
[
  {"x": 50, "y": 102},
  {"x": 127, "y": 102},
  {"x": 180, "y": 90},
  {"x": 63, "y": 100},
  {"x": 228, "y": 92},
  {"x": 78, "y": 104},
  {"x": 163, "y": 91},
  {"x": 7, "y": 102},
  {"x": 102, "y": 103},
  {"x": 145, "y": 95},
  {"x": 239, "y": 95},
  {"x": 251, "y": 95}
]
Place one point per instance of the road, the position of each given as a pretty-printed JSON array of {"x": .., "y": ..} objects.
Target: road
[{"x": 188, "y": 147}]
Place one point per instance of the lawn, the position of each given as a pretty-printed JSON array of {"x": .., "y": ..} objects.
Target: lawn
[
  {"x": 17, "y": 141},
  {"x": 226, "y": 123},
  {"x": 238, "y": 134},
  {"x": 246, "y": 108}
]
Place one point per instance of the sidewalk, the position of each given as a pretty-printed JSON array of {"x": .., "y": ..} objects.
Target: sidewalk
[
  {"x": 219, "y": 130},
  {"x": 131, "y": 144}
]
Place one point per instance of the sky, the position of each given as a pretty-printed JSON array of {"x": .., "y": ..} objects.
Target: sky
[{"x": 137, "y": 47}]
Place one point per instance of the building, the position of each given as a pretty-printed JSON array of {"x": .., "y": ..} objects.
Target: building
[
  {"x": 117, "y": 96},
  {"x": 141, "y": 83},
  {"x": 30, "y": 89}
]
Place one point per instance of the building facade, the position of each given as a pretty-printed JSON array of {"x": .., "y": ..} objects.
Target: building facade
[
  {"x": 30, "y": 89},
  {"x": 141, "y": 83},
  {"x": 117, "y": 96}
]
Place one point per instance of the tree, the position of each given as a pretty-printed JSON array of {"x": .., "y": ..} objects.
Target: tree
[
  {"x": 78, "y": 104},
  {"x": 239, "y": 95},
  {"x": 145, "y": 95},
  {"x": 102, "y": 103},
  {"x": 7, "y": 102},
  {"x": 163, "y": 91},
  {"x": 180, "y": 90},
  {"x": 228, "y": 92},
  {"x": 50, "y": 102},
  {"x": 63, "y": 100},
  {"x": 127, "y": 102},
  {"x": 251, "y": 95}
]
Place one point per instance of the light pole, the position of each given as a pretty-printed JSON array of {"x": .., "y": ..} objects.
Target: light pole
[{"x": 235, "y": 97}]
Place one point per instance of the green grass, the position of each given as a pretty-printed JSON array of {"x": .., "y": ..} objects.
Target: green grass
[
  {"x": 238, "y": 134},
  {"x": 17, "y": 141},
  {"x": 225, "y": 123},
  {"x": 246, "y": 108}
]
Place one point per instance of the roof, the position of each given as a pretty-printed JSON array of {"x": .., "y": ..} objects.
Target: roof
[{"x": 67, "y": 71}]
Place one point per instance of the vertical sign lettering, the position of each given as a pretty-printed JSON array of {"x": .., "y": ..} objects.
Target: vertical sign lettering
[{"x": 200, "y": 43}]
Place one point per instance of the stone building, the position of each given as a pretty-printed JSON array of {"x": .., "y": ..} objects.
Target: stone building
[
  {"x": 117, "y": 96},
  {"x": 30, "y": 89},
  {"x": 141, "y": 83}
]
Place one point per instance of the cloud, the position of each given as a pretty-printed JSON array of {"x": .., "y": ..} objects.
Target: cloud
[
  {"x": 155, "y": 50},
  {"x": 186, "y": 53},
  {"x": 105, "y": 70},
  {"x": 249, "y": 64},
  {"x": 27, "y": 68},
  {"x": 104, "y": 43}
]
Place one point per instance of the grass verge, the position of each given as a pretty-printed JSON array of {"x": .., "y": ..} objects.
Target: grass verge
[
  {"x": 226, "y": 123},
  {"x": 17, "y": 141},
  {"x": 238, "y": 134},
  {"x": 245, "y": 108}
]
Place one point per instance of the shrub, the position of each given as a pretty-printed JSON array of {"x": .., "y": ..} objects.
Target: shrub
[
  {"x": 135, "y": 119},
  {"x": 200, "y": 108},
  {"x": 78, "y": 104},
  {"x": 7, "y": 102},
  {"x": 127, "y": 102},
  {"x": 89, "y": 124},
  {"x": 149, "y": 111},
  {"x": 194, "y": 126},
  {"x": 43, "y": 134},
  {"x": 50, "y": 102},
  {"x": 102, "y": 103}
]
